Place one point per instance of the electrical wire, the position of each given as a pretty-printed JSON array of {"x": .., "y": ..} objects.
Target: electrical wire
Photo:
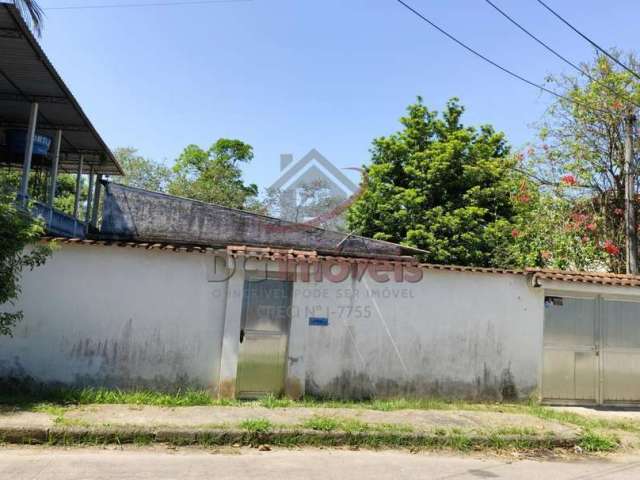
[
  {"x": 561, "y": 57},
  {"x": 496, "y": 65},
  {"x": 594, "y": 44}
]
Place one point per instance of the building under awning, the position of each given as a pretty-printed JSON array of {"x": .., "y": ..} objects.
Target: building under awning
[{"x": 35, "y": 105}]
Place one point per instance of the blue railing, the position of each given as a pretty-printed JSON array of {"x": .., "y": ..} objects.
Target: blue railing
[{"x": 59, "y": 223}]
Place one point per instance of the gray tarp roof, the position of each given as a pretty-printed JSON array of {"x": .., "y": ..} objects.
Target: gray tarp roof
[{"x": 26, "y": 76}]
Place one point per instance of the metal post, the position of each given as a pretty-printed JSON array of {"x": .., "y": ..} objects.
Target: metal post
[
  {"x": 54, "y": 168},
  {"x": 23, "y": 193},
  {"x": 629, "y": 197},
  {"x": 76, "y": 202},
  {"x": 87, "y": 213},
  {"x": 96, "y": 201}
]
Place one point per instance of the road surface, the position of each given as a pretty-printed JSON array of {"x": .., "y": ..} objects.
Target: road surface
[{"x": 157, "y": 463}]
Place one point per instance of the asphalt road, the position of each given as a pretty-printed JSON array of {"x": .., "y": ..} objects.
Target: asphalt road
[{"x": 156, "y": 463}]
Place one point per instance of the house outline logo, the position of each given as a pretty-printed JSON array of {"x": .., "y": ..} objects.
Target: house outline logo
[{"x": 312, "y": 167}]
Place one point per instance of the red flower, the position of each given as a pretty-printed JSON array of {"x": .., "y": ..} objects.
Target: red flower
[
  {"x": 616, "y": 105},
  {"x": 515, "y": 233},
  {"x": 568, "y": 179},
  {"x": 611, "y": 248},
  {"x": 591, "y": 227},
  {"x": 523, "y": 198},
  {"x": 618, "y": 211}
]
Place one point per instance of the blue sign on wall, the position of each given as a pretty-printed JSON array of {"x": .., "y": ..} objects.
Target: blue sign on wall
[{"x": 318, "y": 321}]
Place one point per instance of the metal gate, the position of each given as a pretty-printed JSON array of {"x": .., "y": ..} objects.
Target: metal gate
[
  {"x": 266, "y": 318},
  {"x": 591, "y": 351}
]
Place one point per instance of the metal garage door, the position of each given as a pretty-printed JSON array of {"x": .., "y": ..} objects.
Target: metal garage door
[
  {"x": 591, "y": 351},
  {"x": 570, "y": 372},
  {"x": 620, "y": 352}
]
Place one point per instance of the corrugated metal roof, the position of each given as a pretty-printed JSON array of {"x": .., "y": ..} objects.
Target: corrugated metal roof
[
  {"x": 26, "y": 76},
  {"x": 275, "y": 254}
]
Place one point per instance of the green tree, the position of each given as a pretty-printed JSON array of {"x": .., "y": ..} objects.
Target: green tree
[
  {"x": 19, "y": 234},
  {"x": 578, "y": 161},
  {"x": 552, "y": 230},
  {"x": 439, "y": 186},
  {"x": 142, "y": 172},
  {"x": 214, "y": 175}
]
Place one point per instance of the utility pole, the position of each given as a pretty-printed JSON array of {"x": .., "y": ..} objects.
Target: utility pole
[{"x": 629, "y": 196}]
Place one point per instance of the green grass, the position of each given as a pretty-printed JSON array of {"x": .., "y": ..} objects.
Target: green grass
[
  {"x": 323, "y": 424},
  {"x": 596, "y": 442},
  {"x": 42, "y": 399},
  {"x": 353, "y": 425},
  {"x": 256, "y": 425}
]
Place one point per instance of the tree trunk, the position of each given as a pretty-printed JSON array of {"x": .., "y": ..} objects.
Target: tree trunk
[{"x": 629, "y": 197}]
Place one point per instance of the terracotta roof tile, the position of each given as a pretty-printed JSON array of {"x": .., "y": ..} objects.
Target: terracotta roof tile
[{"x": 268, "y": 253}]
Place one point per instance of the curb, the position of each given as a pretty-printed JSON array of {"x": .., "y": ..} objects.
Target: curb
[{"x": 297, "y": 437}]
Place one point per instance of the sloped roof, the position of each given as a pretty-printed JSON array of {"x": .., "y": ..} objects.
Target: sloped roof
[
  {"x": 140, "y": 215},
  {"x": 27, "y": 76}
]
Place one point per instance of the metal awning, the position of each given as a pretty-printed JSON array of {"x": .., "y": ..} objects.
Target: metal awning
[{"x": 27, "y": 76}]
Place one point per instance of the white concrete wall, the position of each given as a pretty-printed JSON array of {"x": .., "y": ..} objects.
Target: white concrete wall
[
  {"x": 131, "y": 317},
  {"x": 470, "y": 335},
  {"x": 119, "y": 316}
]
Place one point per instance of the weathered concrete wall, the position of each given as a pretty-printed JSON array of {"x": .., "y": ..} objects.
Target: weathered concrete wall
[
  {"x": 116, "y": 316},
  {"x": 453, "y": 334},
  {"x": 132, "y": 213},
  {"x": 130, "y": 317}
]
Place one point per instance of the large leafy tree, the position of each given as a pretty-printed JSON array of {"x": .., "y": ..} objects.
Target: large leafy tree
[
  {"x": 142, "y": 172},
  {"x": 214, "y": 175},
  {"x": 579, "y": 164},
  {"x": 439, "y": 186}
]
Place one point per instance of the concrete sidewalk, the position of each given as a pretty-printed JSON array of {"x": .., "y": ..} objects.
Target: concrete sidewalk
[{"x": 330, "y": 426}]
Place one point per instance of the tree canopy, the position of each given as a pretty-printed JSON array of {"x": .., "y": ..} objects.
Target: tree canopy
[
  {"x": 142, "y": 172},
  {"x": 214, "y": 175},
  {"x": 439, "y": 186},
  {"x": 577, "y": 167}
]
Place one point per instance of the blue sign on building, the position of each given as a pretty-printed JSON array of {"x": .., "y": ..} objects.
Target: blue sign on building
[{"x": 318, "y": 321}]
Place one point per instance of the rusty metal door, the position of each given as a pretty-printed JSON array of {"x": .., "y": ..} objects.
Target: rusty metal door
[
  {"x": 571, "y": 350},
  {"x": 264, "y": 334}
]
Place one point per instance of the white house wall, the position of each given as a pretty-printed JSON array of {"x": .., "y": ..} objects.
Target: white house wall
[
  {"x": 96, "y": 315},
  {"x": 131, "y": 317},
  {"x": 471, "y": 335}
]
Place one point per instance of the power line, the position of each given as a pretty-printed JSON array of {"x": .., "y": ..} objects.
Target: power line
[
  {"x": 478, "y": 54},
  {"x": 498, "y": 66},
  {"x": 594, "y": 44},
  {"x": 142, "y": 5},
  {"x": 561, "y": 57}
]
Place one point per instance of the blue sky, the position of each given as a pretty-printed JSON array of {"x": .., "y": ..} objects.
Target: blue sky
[{"x": 290, "y": 75}]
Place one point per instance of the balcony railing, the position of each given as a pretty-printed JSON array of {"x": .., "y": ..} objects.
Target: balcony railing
[{"x": 59, "y": 223}]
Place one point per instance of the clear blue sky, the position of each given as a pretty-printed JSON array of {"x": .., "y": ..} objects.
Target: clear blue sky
[{"x": 289, "y": 75}]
